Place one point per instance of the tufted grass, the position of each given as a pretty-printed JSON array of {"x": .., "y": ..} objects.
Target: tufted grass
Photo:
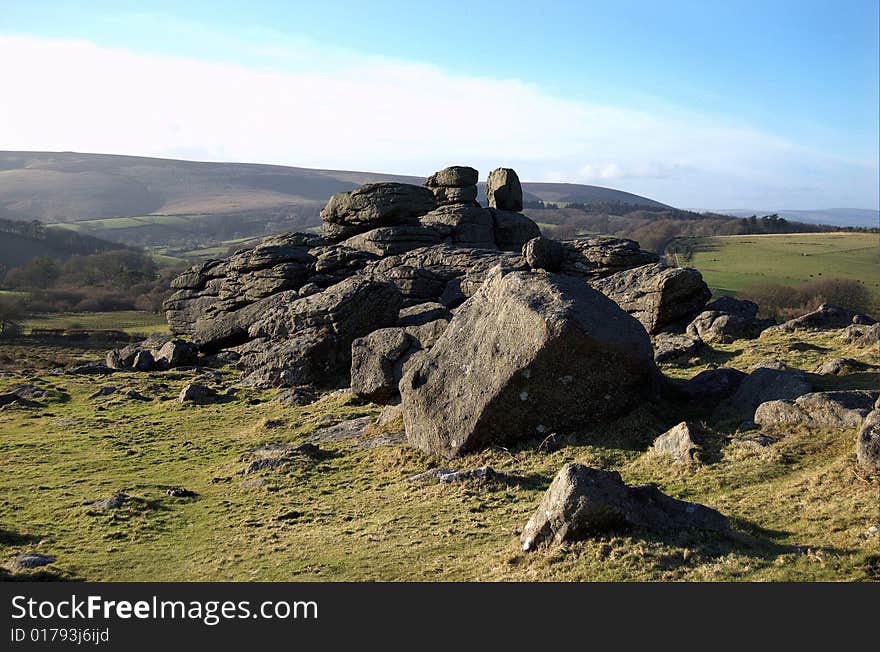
[{"x": 801, "y": 508}]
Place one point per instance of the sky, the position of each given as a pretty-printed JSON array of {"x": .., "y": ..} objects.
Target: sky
[{"x": 698, "y": 104}]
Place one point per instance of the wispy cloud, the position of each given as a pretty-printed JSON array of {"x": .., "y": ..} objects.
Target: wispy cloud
[{"x": 396, "y": 116}]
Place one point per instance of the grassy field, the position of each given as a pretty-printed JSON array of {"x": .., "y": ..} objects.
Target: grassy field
[
  {"x": 113, "y": 223},
  {"x": 130, "y": 321},
  {"x": 730, "y": 264},
  {"x": 800, "y": 508}
]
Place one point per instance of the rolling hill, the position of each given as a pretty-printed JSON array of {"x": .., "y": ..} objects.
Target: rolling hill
[{"x": 71, "y": 187}]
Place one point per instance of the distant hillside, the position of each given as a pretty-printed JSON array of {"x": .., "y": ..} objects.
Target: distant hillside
[
  {"x": 860, "y": 217},
  {"x": 22, "y": 241},
  {"x": 71, "y": 187}
]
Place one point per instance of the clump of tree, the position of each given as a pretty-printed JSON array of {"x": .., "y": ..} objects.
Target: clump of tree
[
  {"x": 120, "y": 279},
  {"x": 782, "y": 302},
  {"x": 12, "y": 313}
]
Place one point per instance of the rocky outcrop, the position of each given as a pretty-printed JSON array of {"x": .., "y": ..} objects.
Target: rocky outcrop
[
  {"x": 713, "y": 384},
  {"x": 287, "y": 311},
  {"x": 373, "y": 205},
  {"x": 512, "y": 229},
  {"x": 543, "y": 254},
  {"x": 655, "y": 294},
  {"x": 602, "y": 256},
  {"x": 156, "y": 353},
  {"x": 825, "y": 317},
  {"x": 456, "y": 184},
  {"x": 842, "y": 409},
  {"x": 675, "y": 348},
  {"x": 682, "y": 443},
  {"x": 462, "y": 225},
  {"x": 377, "y": 363},
  {"x": 725, "y": 320},
  {"x": 442, "y": 274},
  {"x": 504, "y": 190},
  {"x": 862, "y": 336},
  {"x": 308, "y": 340},
  {"x": 583, "y": 502},
  {"x": 868, "y": 441},
  {"x": 529, "y": 353},
  {"x": 768, "y": 384}
]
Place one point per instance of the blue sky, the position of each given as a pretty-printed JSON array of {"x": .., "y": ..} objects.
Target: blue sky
[{"x": 701, "y": 104}]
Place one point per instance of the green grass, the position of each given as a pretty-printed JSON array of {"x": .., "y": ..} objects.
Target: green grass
[
  {"x": 730, "y": 264},
  {"x": 800, "y": 508},
  {"x": 130, "y": 321},
  {"x": 114, "y": 223}
]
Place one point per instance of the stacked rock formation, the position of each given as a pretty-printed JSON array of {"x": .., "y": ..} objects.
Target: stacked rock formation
[{"x": 379, "y": 295}]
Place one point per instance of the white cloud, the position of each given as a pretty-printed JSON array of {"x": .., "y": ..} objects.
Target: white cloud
[{"x": 369, "y": 113}]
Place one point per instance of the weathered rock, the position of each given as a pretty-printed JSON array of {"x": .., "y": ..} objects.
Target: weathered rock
[
  {"x": 342, "y": 431},
  {"x": 296, "y": 396},
  {"x": 350, "y": 309},
  {"x": 30, "y": 392},
  {"x": 713, "y": 384},
  {"x": 90, "y": 368},
  {"x": 195, "y": 393},
  {"x": 311, "y": 356},
  {"x": 423, "y": 313},
  {"x": 513, "y": 230},
  {"x": 454, "y": 176},
  {"x": 836, "y": 366},
  {"x": 682, "y": 442},
  {"x": 656, "y": 295},
  {"x": 449, "y": 196},
  {"x": 528, "y": 354},
  {"x": 462, "y": 226},
  {"x": 543, "y": 253},
  {"x": 743, "y": 308},
  {"x": 765, "y": 384},
  {"x": 469, "y": 474},
  {"x": 601, "y": 256},
  {"x": 426, "y": 335},
  {"x": 825, "y": 317},
  {"x": 285, "y": 262},
  {"x": 143, "y": 361},
  {"x": 862, "y": 336},
  {"x": 442, "y": 274},
  {"x": 756, "y": 439},
  {"x": 393, "y": 240},
  {"x": 107, "y": 390},
  {"x": 713, "y": 326},
  {"x": 842, "y": 409},
  {"x": 868, "y": 442},
  {"x": 175, "y": 353},
  {"x": 308, "y": 340},
  {"x": 373, "y": 205},
  {"x": 377, "y": 363},
  {"x": 115, "y": 501},
  {"x": 675, "y": 348},
  {"x": 583, "y": 501},
  {"x": 28, "y": 560},
  {"x": 504, "y": 190}
]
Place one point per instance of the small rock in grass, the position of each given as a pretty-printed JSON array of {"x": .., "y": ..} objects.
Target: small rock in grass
[
  {"x": 115, "y": 501},
  {"x": 758, "y": 439},
  {"x": 107, "y": 390},
  {"x": 681, "y": 442},
  {"x": 195, "y": 393},
  {"x": 30, "y": 560}
]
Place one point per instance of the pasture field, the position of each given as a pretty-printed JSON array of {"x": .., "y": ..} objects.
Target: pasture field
[
  {"x": 730, "y": 264},
  {"x": 801, "y": 509},
  {"x": 130, "y": 321}
]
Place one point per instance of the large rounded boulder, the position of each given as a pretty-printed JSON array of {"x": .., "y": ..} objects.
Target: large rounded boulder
[{"x": 530, "y": 353}]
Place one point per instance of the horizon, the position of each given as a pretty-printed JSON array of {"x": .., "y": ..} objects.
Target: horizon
[{"x": 779, "y": 108}]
